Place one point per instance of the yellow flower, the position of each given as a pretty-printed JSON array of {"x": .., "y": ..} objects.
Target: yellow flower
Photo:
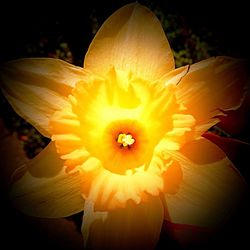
[{"x": 126, "y": 130}]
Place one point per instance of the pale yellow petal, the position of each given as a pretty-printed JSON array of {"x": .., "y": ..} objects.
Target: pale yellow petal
[
  {"x": 45, "y": 189},
  {"x": 175, "y": 76},
  {"x": 211, "y": 190},
  {"x": 131, "y": 39},
  {"x": 133, "y": 227},
  {"x": 36, "y": 88},
  {"x": 212, "y": 85}
]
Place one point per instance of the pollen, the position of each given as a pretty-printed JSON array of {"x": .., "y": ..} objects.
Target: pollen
[{"x": 125, "y": 140}]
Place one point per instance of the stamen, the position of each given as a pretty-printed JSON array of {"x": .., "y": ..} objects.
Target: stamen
[{"x": 125, "y": 140}]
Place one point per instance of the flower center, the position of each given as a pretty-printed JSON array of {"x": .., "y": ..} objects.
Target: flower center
[{"x": 125, "y": 140}]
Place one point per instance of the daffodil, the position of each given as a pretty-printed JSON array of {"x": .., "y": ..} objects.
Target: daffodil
[{"x": 126, "y": 135}]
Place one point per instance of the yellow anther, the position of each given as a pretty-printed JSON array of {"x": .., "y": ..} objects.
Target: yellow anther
[{"x": 125, "y": 140}]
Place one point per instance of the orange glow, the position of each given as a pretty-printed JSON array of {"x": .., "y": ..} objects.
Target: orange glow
[{"x": 120, "y": 127}]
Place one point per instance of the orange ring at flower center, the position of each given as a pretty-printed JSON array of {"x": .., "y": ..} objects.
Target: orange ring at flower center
[{"x": 125, "y": 145}]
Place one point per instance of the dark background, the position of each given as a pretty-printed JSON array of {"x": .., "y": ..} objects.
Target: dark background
[
  {"x": 24, "y": 23},
  {"x": 38, "y": 28}
]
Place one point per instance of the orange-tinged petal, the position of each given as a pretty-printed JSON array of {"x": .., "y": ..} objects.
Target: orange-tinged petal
[
  {"x": 12, "y": 155},
  {"x": 211, "y": 189},
  {"x": 237, "y": 151},
  {"x": 172, "y": 178},
  {"x": 45, "y": 189},
  {"x": 37, "y": 87},
  {"x": 131, "y": 39},
  {"x": 188, "y": 236},
  {"x": 210, "y": 86},
  {"x": 133, "y": 227},
  {"x": 175, "y": 76},
  {"x": 240, "y": 128}
]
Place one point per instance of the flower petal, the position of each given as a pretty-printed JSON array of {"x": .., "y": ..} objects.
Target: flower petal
[
  {"x": 132, "y": 39},
  {"x": 239, "y": 129},
  {"x": 46, "y": 190},
  {"x": 12, "y": 155},
  {"x": 175, "y": 76},
  {"x": 211, "y": 188},
  {"x": 212, "y": 85},
  {"x": 186, "y": 236},
  {"x": 237, "y": 151},
  {"x": 36, "y": 88},
  {"x": 133, "y": 227}
]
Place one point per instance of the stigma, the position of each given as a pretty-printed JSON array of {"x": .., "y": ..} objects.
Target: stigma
[{"x": 125, "y": 140}]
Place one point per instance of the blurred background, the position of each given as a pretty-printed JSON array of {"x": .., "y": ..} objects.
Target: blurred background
[{"x": 196, "y": 30}]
